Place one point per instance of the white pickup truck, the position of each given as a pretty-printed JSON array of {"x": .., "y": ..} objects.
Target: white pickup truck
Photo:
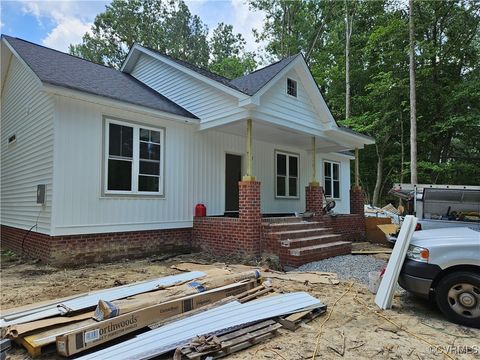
[
  {"x": 441, "y": 206},
  {"x": 444, "y": 265}
]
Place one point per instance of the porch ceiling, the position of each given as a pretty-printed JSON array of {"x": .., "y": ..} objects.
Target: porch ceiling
[{"x": 277, "y": 134}]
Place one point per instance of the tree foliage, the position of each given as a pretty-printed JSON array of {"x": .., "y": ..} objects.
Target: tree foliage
[
  {"x": 168, "y": 27},
  {"x": 447, "y": 77}
]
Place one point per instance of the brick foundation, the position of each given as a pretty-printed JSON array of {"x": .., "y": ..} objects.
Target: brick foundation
[
  {"x": 314, "y": 199},
  {"x": 242, "y": 235},
  {"x": 78, "y": 249},
  {"x": 350, "y": 226}
]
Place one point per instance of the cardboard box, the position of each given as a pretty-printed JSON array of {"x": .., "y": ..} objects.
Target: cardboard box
[{"x": 95, "y": 334}]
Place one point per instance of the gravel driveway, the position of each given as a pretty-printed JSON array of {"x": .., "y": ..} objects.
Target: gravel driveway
[{"x": 347, "y": 267}]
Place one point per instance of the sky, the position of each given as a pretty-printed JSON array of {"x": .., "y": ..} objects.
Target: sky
[{"x": 57, "y": 24}]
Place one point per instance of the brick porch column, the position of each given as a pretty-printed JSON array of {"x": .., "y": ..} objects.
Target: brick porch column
[
  {"x": 356, "y": 201},
  {"x": 314, "y": 198},
  {"x": 250, "y": 215}
]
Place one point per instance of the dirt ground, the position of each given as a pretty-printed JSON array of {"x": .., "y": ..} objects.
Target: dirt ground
[{"x": 353, "y": 329}]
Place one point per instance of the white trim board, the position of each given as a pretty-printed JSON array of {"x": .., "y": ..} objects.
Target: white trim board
[{"x": 387, "y": 286}]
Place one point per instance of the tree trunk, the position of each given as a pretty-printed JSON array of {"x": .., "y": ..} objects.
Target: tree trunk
[
  {"x": 378, "y": 182},
  {"x": 402, "y": 152},
  {"x": 348, "y": 35},
  {"x": 413, "y": 99}
]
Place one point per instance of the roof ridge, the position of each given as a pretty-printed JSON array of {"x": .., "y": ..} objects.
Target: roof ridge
[
  {"x": 58, "y": 51},
  {"x": 267, "y": 66}
]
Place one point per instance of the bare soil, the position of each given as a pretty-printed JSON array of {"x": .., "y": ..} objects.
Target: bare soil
[{"x": 352, "y": 331}]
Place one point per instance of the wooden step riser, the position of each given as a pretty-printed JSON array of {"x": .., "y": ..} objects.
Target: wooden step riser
[
  {"x": 296, "y": 261},
  {"x": 305, "y": 252},
  {"x": 295, "y": 244}
]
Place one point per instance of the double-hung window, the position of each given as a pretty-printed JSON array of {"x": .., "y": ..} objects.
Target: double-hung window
[
  {"x": 133, "y": 159},
  {"x": 286, "y": 175},
  {"x": 331, "y": 179}
]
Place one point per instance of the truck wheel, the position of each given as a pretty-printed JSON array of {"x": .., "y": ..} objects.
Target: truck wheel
[{"x": 458, "y": 298}]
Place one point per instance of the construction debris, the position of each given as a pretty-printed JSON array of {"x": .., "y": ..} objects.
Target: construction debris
[
  {"x": 86, "y": 337},
  {"x": 89, "y": 300},
  {"x": 311, "y": 277},
  {"x": 387, "y": 286},
  {"x": 213, "y": 312},
  {"x": 5, "y": 345},
  {"x": 233, "y": 315},
  {"x": 216, "y": 347}
]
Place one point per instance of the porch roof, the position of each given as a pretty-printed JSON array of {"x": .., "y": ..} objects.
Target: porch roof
[{"x": 330, "y": 140}]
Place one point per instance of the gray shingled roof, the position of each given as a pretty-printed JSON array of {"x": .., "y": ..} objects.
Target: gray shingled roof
[
  {"x": 61, "y": 69},
  {"x": 248, "y": 84},
  {"x": 251, "y": 83}
]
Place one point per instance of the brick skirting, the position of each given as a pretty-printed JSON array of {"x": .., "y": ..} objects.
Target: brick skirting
[
  {"x": 221, "y": 235},
  {"x": 78, "y": 249},
  {"x": 350, "y": 226}
]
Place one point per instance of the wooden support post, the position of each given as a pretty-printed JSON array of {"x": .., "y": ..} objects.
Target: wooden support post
[
  {"x": 357, "y": 171},
  {"x": 249, "y": 176},
  {"x": 314, "y": 181}
]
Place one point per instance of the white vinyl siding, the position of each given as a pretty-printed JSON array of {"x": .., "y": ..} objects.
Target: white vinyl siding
[
  {"x": 27, "y": 162},
  {"x": 276, "y": 102},
  {"x": 194, "y": 173},
  {"x": 199, "y": 98}
]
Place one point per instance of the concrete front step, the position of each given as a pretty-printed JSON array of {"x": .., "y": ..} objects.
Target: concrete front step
[
  {"x": 296, "y": 234},
  {"x": 276, "y": 227},
  {"x": 310, "y": 241}
]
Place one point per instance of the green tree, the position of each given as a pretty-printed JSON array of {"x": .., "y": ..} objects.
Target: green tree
[
  {"x": 166, "y": 26},
  {"x": 227, "y": 53}
]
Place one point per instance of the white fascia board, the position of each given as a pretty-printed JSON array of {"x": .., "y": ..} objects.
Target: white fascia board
[
  {"x": 130, "y": 60},
  {"x": 10, "y": 47},
  {"x": 356, "y": 141},
  {"x": 104, "y": 101},
  {"x": 235, "y": 93},
  {"x": 205, "y": 125}
]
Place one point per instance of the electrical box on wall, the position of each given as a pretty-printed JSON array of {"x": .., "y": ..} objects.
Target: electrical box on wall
[{"x": 41, "y": 190}]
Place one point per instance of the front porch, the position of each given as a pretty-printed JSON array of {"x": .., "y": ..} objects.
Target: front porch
[{"x": 245, "y": 231}]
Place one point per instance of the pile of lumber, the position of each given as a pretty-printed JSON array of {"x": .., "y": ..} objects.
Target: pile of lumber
[{"x": 195, "y": 313}]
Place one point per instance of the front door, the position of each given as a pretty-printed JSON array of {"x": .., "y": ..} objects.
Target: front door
[{"x": 233, "y": 174}]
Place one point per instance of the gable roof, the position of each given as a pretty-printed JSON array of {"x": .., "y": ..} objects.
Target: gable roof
[
  {"x": 57, "y": 68},
  {"x": 248, "y": 84},
  {"x": 251, "y": 83},
  {"x": 218, "y": 78}
]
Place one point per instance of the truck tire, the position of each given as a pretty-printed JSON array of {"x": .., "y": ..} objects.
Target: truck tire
[{"x": 458, "y": 298}]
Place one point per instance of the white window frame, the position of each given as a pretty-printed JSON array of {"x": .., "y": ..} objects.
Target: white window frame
[
  {"x": 287, "y": 176},
  {"x": 296, "y": 87},
  {"x": 135, "y": 158},
  {"x": 332, "y": 180}
]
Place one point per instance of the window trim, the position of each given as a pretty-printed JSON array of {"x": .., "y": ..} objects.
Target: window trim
[
  {"x": 135, "y": 159},
  {"x": 287, "y": 154},
  {"x": 296, "y": 88},
  {"x": 331, "y": 162}
]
